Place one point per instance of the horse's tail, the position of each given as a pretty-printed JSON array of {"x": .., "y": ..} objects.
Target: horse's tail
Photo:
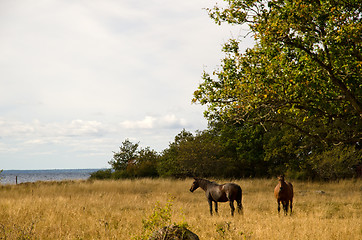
[
  {"x": 239, "y": 198},
  {"x": 239, "y": 195}
]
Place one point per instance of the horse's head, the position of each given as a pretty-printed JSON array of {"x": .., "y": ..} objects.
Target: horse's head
[
  {"x": 281, "y": 181},
  {"x": 281, "y": 178},
  {"x": 194, "y": 185}
]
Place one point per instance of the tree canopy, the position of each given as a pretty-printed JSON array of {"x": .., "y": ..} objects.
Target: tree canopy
[{"x": 304, "y": 70}]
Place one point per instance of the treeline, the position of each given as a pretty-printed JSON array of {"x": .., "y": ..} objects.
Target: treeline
[{"x": 236, "y": 151}]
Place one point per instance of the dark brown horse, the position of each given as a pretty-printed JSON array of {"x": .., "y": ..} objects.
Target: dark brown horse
[
  {"x": 220, "y": 193},
  {"x": 283, "y": 192}
]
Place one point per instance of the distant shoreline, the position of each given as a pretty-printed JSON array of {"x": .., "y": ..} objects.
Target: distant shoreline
[
  {"x": 52, "y": 169},
  {"x": 23, "y": 176}
]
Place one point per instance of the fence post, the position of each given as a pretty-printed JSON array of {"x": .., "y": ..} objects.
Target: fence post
[{"x": 16, "y": 180}]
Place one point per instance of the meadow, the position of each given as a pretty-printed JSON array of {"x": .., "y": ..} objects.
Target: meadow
[{"x": 118, "y": 210}]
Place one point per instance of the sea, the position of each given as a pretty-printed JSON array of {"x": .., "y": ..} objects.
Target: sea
[{"x": 23, "y": 176}]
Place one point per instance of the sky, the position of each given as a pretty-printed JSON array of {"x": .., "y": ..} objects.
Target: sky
[{"x": 78, "y": 77}]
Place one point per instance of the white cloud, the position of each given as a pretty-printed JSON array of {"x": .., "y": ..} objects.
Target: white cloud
[
  {"x": 150, "y": 122},
  {"x": 171, "y": 121},
  {"x": 74, "y": 128},
  {"x": 147, "y": 122}
]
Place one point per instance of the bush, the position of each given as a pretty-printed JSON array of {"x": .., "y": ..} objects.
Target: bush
[
  {"x": 101, "y": 174},
  {"x": 337, "y": 162},
  {"x": 160, "y": 217},
  {"x": 122, "y": 174}
]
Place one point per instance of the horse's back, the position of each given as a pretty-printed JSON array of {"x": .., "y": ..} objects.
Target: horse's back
[
  {"x": 231, "y": 187},
  {"x": 233, "y": 190}
]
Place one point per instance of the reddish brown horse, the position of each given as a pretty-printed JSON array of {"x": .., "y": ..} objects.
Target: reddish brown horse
[
  {"x": 220, "y": 193},
  {"x": 283, "y": 192}
]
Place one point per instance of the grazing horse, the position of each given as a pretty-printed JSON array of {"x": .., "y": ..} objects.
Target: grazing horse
[
  {"x": 283, "y": 192},
  {"x": 220, "y": 193}
]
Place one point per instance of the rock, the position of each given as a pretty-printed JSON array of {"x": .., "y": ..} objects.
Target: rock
[{"x": 173, "y": 232}]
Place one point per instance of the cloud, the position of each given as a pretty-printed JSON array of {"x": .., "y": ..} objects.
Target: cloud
[
  {"x": 74, "y": 128},
  {"x": 146, "y": 123},
  {"x": 169, "y": 121}
]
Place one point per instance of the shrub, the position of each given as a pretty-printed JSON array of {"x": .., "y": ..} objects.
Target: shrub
[
  {"x": 337, "y": 162},
  {"x": 101, "y": 174},
  {"x": 160, "y": 217}
]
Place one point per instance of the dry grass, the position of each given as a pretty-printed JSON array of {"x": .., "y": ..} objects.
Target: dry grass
[{"x": 115, "y": 209}]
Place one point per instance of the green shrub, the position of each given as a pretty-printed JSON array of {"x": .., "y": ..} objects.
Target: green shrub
[
  {"x": 160, "y": 217},
  {"x": 121, "y": 174},
  {"x": 101, "y": 174},
  {"x": 337, "y": 162}
]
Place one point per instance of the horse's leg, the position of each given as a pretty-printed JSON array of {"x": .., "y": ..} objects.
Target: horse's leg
[
  {"x": 278, "y": 206},
  {"x": 210, "y": 205},
  {"x": 286, "y": 208},
  {"x": 240, "y": 206},
  {"x": 216, "y": 207},
  {"x": 291, "y": 206},
  {"x": 231, "y": 202}
]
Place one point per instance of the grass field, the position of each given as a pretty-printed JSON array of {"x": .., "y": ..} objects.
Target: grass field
[{"x": 115, "y": 210}]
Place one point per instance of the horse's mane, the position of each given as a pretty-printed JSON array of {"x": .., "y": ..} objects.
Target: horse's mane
[{"x": 205, "y": 181}]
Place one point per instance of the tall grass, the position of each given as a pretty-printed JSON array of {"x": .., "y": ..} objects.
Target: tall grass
[{"x": 115, "y": 210}]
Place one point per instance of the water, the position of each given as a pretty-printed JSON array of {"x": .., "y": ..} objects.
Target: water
[{"x": 9, "y": 176}]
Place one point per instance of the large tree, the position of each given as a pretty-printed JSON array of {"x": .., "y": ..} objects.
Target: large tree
[
  {"x": 304, "y": 70},
  {"x": 201, "y": 155},
  {"x": 127, "y": 155}
]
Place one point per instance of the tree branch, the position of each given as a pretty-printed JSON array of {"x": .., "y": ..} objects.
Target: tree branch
[{"x": 349, "y": 95}]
